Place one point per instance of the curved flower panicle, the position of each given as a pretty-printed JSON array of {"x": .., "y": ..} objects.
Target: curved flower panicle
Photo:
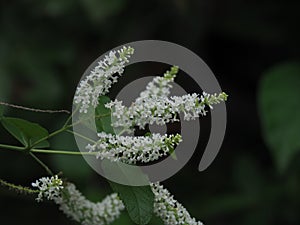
[
  {"x": 162, "y": 110},
  {"x": 159, "y": 86},
  {"x": 100, "y": 79},
  {"x": 77, "y": 207},
  {"x": 170, "y": 210},
  {"x": 133, "y": 149}
]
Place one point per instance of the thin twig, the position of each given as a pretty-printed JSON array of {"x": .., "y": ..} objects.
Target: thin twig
[
  {"x": 81, "y": 136},
  {"x": 42, "y": 164},
  {"x": 18, "y": 188},
  {"x": 33, "y": 109}
]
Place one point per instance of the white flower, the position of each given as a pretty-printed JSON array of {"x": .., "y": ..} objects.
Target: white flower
[
  {"x": 131, "y": 150},
  {"x": 159, "y": 86},
  {"x": 212, "y": 99},
  {"x": 77, "y": 207},
  {"x": 168, "y": 209},
  {"x": 100, "y": 79},
  {"x": 154, "y": 106},
  {"x": 49, "y": 187},
  {"x": 161, "y": 109}
]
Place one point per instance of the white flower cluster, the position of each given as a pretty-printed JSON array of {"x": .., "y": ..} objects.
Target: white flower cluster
[
  {"x": 170, "y": 210},
  {"x": 154, "y": 106},
  {"x": 101, "y": 78},
  {"x": 161, "y": 110},
  {"x": 212, "y": 99},
  {"x": 133, "y": 149},
  {"x": 159, "y": 86},
  {"x": 77, "y": 207},
  {"x": 49, "y": 187}
]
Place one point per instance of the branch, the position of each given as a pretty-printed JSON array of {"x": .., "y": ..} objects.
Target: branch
[
  {"x": 18, "y": 188},
  {"x": 33, "y": 109}
]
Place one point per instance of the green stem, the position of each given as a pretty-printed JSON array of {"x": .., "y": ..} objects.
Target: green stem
[
  {"x": 70, "y": 117},
  {"x": 18, "y": 188},
  {"x": 23, "y": 149},
  {"x": 64, "y": 128},
  {"x": 62, "y": 152},
  {"x": 122, "y": 132},
  {"x": 86, "y": 119},
  {"x": 42, "y": 164},
  {"x": 51, "y": 135},
  {"x": 81, "y": 136},
  {"x": 67, "y": 121},
  {"x": 11, "y": 147},
  {"x": 50, "y": 151}
]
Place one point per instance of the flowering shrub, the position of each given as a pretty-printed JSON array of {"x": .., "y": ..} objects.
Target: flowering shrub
[{"x": 153, "y": 106}]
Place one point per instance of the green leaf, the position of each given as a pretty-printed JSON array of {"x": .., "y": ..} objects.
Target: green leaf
[
  {"x": 26, "y": 132},
  {"x": 279, "y": 106},
  {"x": 103, "y": 116},
  {"x": 138, "y": 201}
]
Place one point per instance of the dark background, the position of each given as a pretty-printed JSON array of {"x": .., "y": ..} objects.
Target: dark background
[{"x": 45, "y": 46}]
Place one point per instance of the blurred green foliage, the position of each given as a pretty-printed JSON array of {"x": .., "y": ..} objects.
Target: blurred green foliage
[
  {"x": 45, "y": 46},
  {"x": 280, "y": 112}
]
